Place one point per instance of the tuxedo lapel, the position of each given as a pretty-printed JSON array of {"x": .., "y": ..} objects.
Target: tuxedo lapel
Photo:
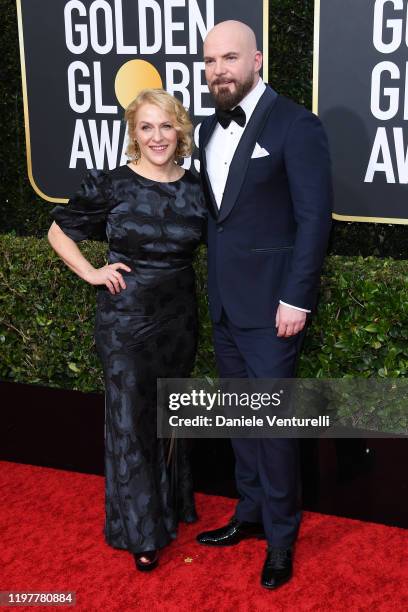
[
  {"x": 206, "y": 183},
  {"x": 240, "y": 161}
]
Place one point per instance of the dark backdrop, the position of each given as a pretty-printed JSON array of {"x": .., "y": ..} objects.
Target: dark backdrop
[{"x": 290, "y": 63}]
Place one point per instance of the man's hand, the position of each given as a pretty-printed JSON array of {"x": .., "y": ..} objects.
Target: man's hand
[{"x": 289, "y": 321}]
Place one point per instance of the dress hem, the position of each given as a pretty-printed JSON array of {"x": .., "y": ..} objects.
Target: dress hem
[{"x": 142, "y": 549}]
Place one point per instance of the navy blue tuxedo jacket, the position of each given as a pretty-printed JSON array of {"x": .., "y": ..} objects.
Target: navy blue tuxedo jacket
[{"x": 268, "y": 239}]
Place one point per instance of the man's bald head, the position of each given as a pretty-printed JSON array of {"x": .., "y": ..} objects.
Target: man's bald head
[
  {"x": 232, "y": 62},
  {"x": 234, "y": 31}
]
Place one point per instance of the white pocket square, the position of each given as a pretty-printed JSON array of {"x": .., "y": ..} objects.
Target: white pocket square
[{"x": 259, "y": 152}]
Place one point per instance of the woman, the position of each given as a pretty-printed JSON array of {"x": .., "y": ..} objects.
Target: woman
[{"x": 152, "y": 213}]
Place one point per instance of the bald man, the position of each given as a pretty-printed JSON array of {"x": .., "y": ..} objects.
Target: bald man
[{"x": 266, "y": 176}]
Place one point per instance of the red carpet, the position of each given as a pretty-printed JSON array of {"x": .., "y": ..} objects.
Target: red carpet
[{"x": 51, "y": 539}]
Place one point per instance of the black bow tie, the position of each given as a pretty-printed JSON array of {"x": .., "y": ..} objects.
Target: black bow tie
[{"x": 226, "y": 116}]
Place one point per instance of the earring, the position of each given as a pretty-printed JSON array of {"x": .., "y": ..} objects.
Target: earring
[{"x": 137, "y": 154}]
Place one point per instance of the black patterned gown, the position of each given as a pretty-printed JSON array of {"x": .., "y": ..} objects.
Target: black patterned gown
[{"x": 146, "y": 331}]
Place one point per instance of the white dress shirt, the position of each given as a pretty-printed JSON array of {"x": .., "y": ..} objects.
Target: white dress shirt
[{"x": 222, "y": 145}]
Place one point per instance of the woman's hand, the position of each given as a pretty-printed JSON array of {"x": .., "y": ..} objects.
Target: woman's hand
[{"x": 108, "y": 275}]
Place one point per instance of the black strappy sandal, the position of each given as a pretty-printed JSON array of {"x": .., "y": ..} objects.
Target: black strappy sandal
[{"x": 150, "y": 560}]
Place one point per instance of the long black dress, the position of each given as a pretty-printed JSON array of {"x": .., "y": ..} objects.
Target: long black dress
[{"x": 146, "y": 331}]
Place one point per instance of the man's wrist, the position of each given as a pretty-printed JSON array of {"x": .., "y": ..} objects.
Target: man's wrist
[{"x": 294, "y": 307}]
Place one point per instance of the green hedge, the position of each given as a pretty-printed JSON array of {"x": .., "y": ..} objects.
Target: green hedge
[
  {"x": 361, "y": 327},
  {"x": 47, "y": 317}
]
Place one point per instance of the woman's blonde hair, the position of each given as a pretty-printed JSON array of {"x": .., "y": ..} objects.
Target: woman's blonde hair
[{"x": 170, "y": 105}]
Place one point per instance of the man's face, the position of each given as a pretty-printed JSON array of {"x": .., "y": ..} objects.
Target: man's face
[{"x": 230, "y": 68}]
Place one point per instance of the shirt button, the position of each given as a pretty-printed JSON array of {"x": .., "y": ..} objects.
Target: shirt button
[{"x": 220, "y": 229}]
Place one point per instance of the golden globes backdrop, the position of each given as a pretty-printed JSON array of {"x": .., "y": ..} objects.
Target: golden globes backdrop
[
  {"x": 83, "y": 61},
  {"x": 361, "y": 95}
]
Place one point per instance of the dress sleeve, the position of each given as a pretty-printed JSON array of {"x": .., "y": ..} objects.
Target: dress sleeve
[{"x": 84, "y": 217}]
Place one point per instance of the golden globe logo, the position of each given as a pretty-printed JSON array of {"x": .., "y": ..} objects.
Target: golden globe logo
[
  {"x": 83, "y": 61},
  {"x": 389, "y": 36},
  {"x": 100, "y": 27}
]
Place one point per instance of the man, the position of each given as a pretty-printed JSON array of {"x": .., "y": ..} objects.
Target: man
[{"x": 265, "y": 170}]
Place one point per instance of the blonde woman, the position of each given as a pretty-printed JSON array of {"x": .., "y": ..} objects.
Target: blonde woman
[{"x": 152, "y": 214}]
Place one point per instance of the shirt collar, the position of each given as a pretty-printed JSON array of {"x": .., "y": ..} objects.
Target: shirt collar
[{"x": 251, "y": 100}]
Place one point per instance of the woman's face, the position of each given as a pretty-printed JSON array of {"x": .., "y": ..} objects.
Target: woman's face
[{"x": 155, "y": 134}]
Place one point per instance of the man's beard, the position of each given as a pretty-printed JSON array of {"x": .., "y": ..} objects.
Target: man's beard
[{"x": 224, "y": 99}]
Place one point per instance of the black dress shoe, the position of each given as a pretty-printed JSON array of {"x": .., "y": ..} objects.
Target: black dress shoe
[
  {"x": 231, "y": 534},
  {"x": 277, "y": 568},
  {"x": 146, "y": 561}
]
